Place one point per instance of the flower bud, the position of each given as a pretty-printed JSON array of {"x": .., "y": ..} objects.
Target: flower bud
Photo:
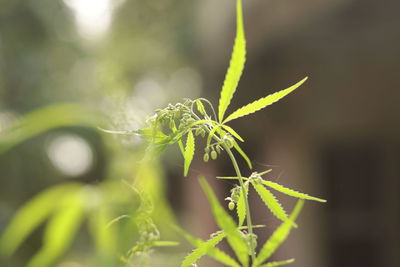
[
  {"x": 231, "y": 205},
  {"x": 206, "y": 157},
  {"x": 214, "y": 155}
]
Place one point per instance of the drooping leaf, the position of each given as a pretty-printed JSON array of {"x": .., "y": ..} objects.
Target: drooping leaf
[
  {"x": 31, "y": 215},
  {"x": 262, "y": 102},
  {"x": 241, "y": 152},
  {"x": 236, "y": 65},
  {"x": 241, "y": 204},
  {"x": 270, "y": 201},
  {"x": 226, "y": 223},
  {"x": 60, "y": 230},
  {"x": 279, "y": 235},
  {"x": 277, "y": 263},
  {"x": 189, "y": 152},
  {"x": 291, "y": 192},
  {"x": 232, "y": 132}
]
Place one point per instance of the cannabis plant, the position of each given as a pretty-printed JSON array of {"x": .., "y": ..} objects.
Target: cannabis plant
[{"x": 198, "y": 119}]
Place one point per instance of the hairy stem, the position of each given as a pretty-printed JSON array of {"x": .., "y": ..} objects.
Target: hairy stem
[{"x": 248, "y": 215}]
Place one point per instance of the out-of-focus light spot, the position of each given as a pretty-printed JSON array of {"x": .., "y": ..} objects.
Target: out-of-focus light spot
[
  {"x": 151, "y": 92},
  {"x": 185, "y": 82},
  {"x": 93, "y": 17},
  {"x": 70, "y": 154}
]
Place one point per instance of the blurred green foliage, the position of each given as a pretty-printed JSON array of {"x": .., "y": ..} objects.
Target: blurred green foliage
[{"x": 55, "y": 83}]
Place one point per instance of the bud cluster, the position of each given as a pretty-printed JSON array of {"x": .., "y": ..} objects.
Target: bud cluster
[{"x": 234, "y": 198}]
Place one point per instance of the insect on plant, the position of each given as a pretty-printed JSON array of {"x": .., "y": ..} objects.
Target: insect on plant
[{"x": 198, "y": 118}]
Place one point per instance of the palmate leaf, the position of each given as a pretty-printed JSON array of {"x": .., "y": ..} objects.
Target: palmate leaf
[
  {"x": 270, "y": 201},
  {"x": 277, "y": 263},
  {"x": 60, "y": 230},
  {"x": 241, "y": 204},
  {"x": 236, "y": 64},
  {"x": 291, "y": 192},
  {"x": 280, "y": 235},
  {"x": 226, "y": 223},
  {"x": 262, "y": 102},
  {"x": 189, "y": 152},
  {"x": 31, "y": 215}
]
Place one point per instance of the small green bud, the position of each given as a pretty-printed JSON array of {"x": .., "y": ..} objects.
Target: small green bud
[
  {"x": 231, "y": 205},
  {"x": 207, "y": 149},
  {"x": 206, "y": 157},
  {"x": 214, "y": 155}
]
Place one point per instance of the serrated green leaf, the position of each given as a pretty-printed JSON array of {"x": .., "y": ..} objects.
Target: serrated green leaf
[
  {"x": 201, "y": 250},
  {"x": 31, "y": 215},
  {"x": 60, "y": 230},
  {"x": 279, "y": 235},
  {"x": 241, "y": 152},
  {"x": 277, "y": 263},
  {"x": 291, "y": 192},
  {"x": 200, "y": 107},
  {"x": 270, "y": 201},
  {"x": 189, "y": 152},
  {"x": 226, "y": 223},
  {"x": 232, "y": 132},
  {"x": 263, "y": 102},
  {"x": 213, "y": 252},
  {"x": 241, "y": 204},
  {"x": 236, "y": 65}
]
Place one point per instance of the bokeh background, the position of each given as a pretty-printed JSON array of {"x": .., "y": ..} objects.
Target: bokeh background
[{"x": 337, "y": 137}]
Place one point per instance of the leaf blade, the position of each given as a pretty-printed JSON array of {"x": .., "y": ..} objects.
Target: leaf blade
[
  {"x": 291, "y": 192},
  {"x": 243, "y": 154},
  {"x": 189, "y": 152},
  {"x": 270, "y": 201},
  {"x": 263, "y": 102},
  {"x": 60, "y": 231},
  {"x": 30, "y": 216},
  {"x": 241, "y": 204},
  {"x": 236, "y": 64},
  {"x": 279, "y": 235}
]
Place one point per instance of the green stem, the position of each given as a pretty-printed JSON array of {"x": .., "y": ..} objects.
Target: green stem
[{"x": 248, "y": 216}]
